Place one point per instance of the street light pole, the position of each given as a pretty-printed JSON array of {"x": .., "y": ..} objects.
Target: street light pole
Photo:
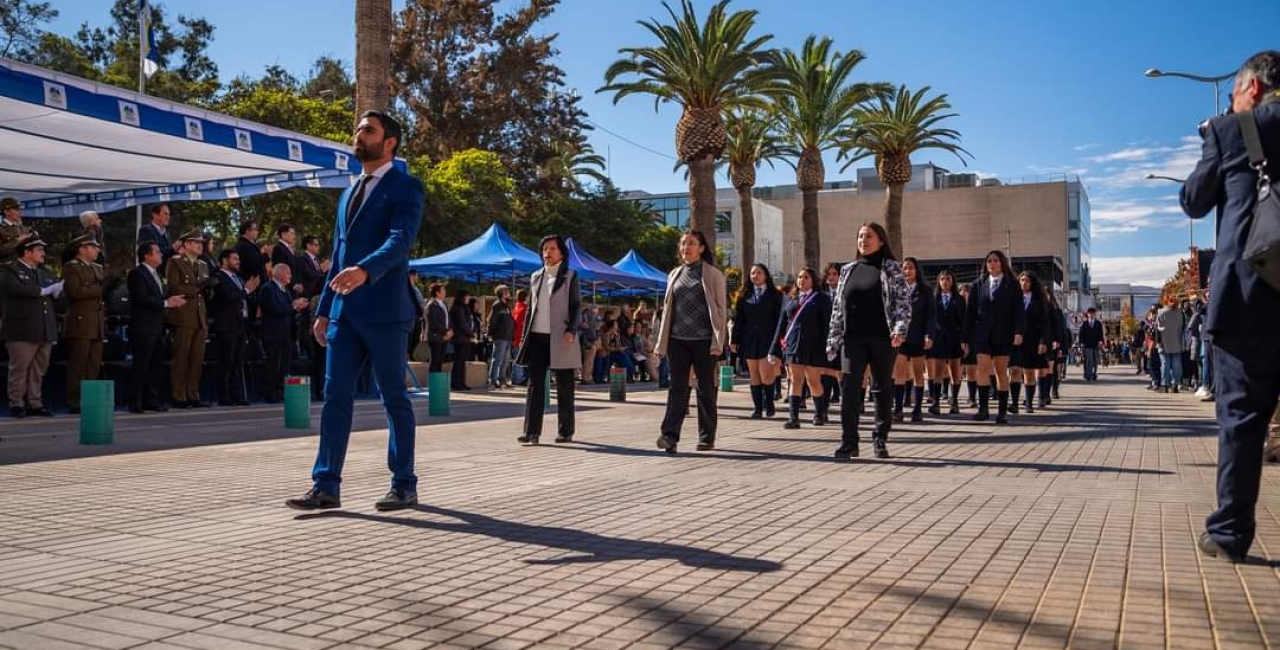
[
  {"x": 1155, "y": 73},
  {"x": 1191, "y": 223}
]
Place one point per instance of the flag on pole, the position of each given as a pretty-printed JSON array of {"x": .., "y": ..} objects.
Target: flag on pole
[{"x": 150, "y": 56}]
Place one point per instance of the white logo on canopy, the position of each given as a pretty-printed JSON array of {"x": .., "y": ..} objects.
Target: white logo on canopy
[
  {"x": 129, "y": 113},
  {"x": 55, "y": 95},
  {"x": 295, "y": 150},
  {"x": 244, "y": 140},
  {"x": 195, "y": 129}
]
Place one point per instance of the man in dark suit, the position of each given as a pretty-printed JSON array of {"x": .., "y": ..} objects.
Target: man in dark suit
[
  {"x": 306, "y": 268},
  {"x": 1090, "y": 340},
  {"x": 278, "y": 310},
  {"x": 310, "y": 274},
  {"x": 365, "y": 313},
  {"x": 158, "y": 231},
  {"x": 252, "y": 264},
  {"x": 438, "y": 331},
  {"x": 1244, "y": 311},
  {"x": 147, "y": 305},
  {"x": 284, "y": 253},
  {"x": 230, "y": 311}
]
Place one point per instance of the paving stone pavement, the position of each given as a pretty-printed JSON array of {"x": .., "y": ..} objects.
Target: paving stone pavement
[{"x": 1071, "y": 528}]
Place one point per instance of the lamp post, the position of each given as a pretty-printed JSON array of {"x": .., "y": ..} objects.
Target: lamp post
[
  {"x": 1191, "y": 223},
  {"x": 1155, "y": 73}
]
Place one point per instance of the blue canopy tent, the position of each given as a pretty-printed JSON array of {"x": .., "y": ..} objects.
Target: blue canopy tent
[
  {"x": 492, "y": 256},
  {"x": 635, "y": 265},
  {"x": 596, "y": 273},
  {"x": 71, "y": 145}
]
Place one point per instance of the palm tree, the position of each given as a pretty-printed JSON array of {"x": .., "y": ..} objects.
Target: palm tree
[
  {"x": 814, "y": 107},
  {"x": 751, "y": 141},
  {"x": 373, "y": 55},
  {"x": 893, "y": 129},
  {"x": 572, "y": 158},
  {"x": 706, "y": 68}
]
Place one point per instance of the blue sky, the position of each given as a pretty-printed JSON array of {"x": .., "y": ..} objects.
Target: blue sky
[{"x": 1040, "y": 87}]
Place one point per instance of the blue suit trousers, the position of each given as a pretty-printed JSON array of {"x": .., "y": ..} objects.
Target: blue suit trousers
[
  {"x": 383, "y": 345},
  {"x": 1246, "y": 381}
]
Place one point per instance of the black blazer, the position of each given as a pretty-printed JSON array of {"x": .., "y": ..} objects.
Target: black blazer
[
  {"x": 282, "y": 255},
  {"x": 251, "y": 261},
  {"x": 437, "y": 322},
  {"x": 150, "y": 232},
  {"x": 277, "y": 313},
  {"x": 307, "y": 273},
  {"x": 1036, "y": 329},
  {"x": 994, "y": 320},
  {"x": 1090, "y": 335},
  {"x": 463, "y": 321},
  {"x": 228, "y": 305},
  {"x": 948, "y": 324},
  {"x": 146, "y": 304},
  {"x": 922, "y": 316},
  {"x": 809, "y": 335},
  {"x": 755, "y": 322}
]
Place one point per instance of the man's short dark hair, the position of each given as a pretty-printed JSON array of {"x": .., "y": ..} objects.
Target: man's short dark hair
[
  {"x": 226, "y": 252},
  {"x": 144, "y": 249},
  {"x": 1265, "y": 67},
  {"x": 155, "y": 209},
  {"x": 390, "y": 127},
  {"x": 309, "y": 240},
  {"x": 435, "y": 288},
  {"x": 1092, "y": 310},
  {"x": 283, "y": 228},
  {"x": 251, "y": 224}
]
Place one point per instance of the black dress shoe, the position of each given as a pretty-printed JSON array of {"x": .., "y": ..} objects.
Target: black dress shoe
[
  {"x": 43, "y": 411},
  {"x": 881, "y": 448},
  {"x": 1214, "y": 549},
  {"x": 199, "y": 404},
  {"x": 564, "y": 439},
  {"x": 527, "y": 440},
  {"x": 397, "y": 500},
  {"x": 158, "y": 408},
  {"x": 17, "y": 412},
  {"x": 239, "y": 402},
  {"x": 134, "y": 408},
  {"x": 314, "y": 499},
  {"x": 181, "y": 404},
  {"x": 73, "y": 410},
  {"x": 668, "y": 444},
  {"x": 224, "y": 402},
  {"x": 847, "y": 451},
  {"x": 706, "y": 446}
]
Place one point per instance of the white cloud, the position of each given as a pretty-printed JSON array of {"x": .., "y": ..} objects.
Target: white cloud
[
  {"x": 1151, "y": 270},
  {"x": 1087, "y": 146},
  {"x": 1175, "y": 161},
  {"x": 1130, "y": 215}
]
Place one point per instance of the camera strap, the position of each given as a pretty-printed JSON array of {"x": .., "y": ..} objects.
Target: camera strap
[{"x": 1253, "y": 144}]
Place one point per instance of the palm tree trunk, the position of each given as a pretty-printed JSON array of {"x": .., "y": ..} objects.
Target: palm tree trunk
[
  {"x": 373, "y": 55},
  {"x": 809, "y": 226},
  {"x": 748, "y": 229},
  {"x": 893, "y": 217},
  {"x": 702, "y": 198}
]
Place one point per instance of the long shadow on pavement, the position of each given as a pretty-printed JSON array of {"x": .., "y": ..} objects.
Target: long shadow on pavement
[{"x": 590, "y": 547}]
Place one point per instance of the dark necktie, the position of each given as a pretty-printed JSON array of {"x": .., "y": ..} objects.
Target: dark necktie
[{"x": 356, "y": 198}]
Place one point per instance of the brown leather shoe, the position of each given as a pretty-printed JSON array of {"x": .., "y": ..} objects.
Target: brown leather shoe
[{"x": 314, "y": 499}]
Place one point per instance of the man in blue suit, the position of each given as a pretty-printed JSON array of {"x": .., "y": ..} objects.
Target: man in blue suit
[
  {"x": 365, "y": 313},
  {"x": 1243, "y": 313}
]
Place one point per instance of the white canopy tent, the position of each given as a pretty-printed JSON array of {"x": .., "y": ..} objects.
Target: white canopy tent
[{"x": 68, "y": 145}]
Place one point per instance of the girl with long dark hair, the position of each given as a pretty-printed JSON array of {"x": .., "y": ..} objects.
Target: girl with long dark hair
[
  {"x": 831, "y": 373},
  {"x": 550, "y": 341},
  {"x": 994, "y": 329},
  {"x": 755, "y": 318},
  {"x": 945, "y": 355},
  {"x": 910, "y": 363},
  {"x": 801, "y": 339},
  {"x": 692, "y": 334},
  {"x": 1037, "y": 336},
  {"x": 868, "y": 322},
  {"x": 1057, "y": 348},
  {"x": 969, "y": 353}
]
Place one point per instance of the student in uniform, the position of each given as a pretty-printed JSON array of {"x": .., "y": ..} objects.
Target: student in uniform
[
  {"x": 801, "y": 339},
  {"x": 994, "y": 329},
  {"x": 755, "y": 319},
  {"x": 1037, "y": 336},
  {"x": 1057, "y": 349},
  {"x": 910, "y": 363},
  {"x": 945, "y": 355},
  {"x": 969, "y": 356}
]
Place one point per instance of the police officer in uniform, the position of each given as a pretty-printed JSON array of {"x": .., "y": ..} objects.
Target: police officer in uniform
[
  {"x": 29, "y": 328},
  {"x": 85, "y": 282},
  {"x": 11, "y": 229},
  {"x": 187, "y": 275}
]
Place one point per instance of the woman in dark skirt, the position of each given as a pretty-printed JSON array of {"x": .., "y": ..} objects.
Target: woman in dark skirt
[
  {"x": 1057, "y": 347},
  {"x": 969, "y": 353},
  {"x": 993, "y": 326},
  {"x": 831, "y": 374},
  {"x": 945, "y": 355},
  {"x": 801, "y": 339},
  {"x": 755, "y": 318},
  {"x": 1032, "y": 354},
  {"x": 911, "y": 354},
  {"x": 868, "y": 321}
]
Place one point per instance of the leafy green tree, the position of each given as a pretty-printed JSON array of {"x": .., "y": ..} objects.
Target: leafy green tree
[
  {"x": 467, "y": 192},
  {"x": 20, "y": 22}
]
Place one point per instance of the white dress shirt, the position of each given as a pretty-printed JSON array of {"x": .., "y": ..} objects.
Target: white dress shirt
[
  {"x": 542, "y": 319},
  {"x": 369, "y": 185}
]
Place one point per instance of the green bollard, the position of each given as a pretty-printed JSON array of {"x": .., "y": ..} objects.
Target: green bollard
[
  {"x": 617, "y": 384},
  {"x": 297, "y": 402},
  {"x": 726, "y": 379},
  {"x": 97, "y": 412},
  {"x": 438, "y": 394}
]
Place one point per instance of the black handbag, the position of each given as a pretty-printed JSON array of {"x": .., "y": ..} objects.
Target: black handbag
[{"x": 1262, "y": 248}]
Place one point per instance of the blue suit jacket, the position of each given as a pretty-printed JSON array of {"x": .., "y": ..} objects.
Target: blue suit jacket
[
  {"x": 1240, "y": 303},
  {"x": 378, "y": 241},
  {"x": 277, "y": 313}
]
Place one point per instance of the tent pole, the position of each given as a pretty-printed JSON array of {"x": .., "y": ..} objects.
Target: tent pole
[{"x": 142, "y": 90}]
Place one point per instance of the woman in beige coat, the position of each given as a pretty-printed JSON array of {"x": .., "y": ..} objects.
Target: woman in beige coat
[
  {"x": 692, "y": 335},
  {"x": 551, "y": 340}
]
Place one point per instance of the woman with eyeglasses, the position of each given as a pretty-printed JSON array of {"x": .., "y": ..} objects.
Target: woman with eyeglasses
[{"x": 994, "y": 329}]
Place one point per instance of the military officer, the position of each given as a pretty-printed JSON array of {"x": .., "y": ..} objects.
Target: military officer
[
  {"x": 85, "y": 282},
  {"x": 29, "y": 328},
  {"x": 11, "y": 229},
  {"x": 187, "y": 275}
]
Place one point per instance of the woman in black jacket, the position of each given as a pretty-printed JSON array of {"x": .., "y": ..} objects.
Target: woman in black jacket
[
  {"x": 462, "y": 316},
  {"x": 755, "y": 318},
  {"x": 801, "y": 339},
  {"x": 969, "y": 354},
  {"x": 945, "y": 355},
  {"x": 1057, "y": 348},
  {"x": 911, "y": 355},
  {"x": 993, "y": 327},
  {"x": 868, "y": 321},
  {"x": 1032, "y": 355}
]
